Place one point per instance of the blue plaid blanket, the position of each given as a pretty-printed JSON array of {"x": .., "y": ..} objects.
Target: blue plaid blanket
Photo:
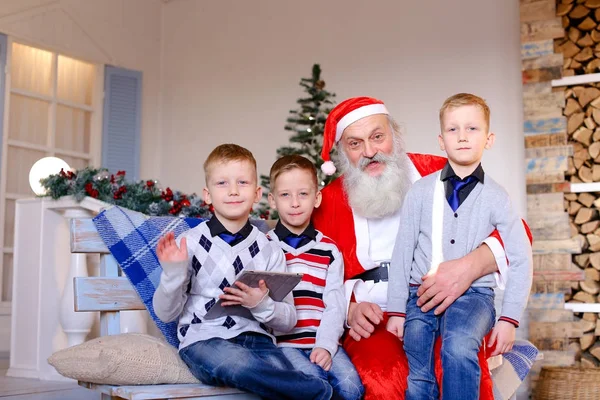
[
  {"x": 516, "y": 364},
  {"x": 131, "y": 238}
]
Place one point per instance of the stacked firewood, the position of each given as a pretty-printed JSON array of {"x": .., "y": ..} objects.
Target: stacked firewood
[
  {"x": 555, "y": 142},
  {"x": 587, "y": 347},
  {"x": 581, "y": 46},
  {"x": 582, "y": 110}
]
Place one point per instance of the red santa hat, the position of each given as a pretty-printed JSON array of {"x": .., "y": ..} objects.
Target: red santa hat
[{"x": 342, "y": 116}]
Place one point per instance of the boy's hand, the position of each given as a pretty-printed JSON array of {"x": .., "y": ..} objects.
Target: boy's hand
[
  {"x": 395, "y": 325},
  {"x": 244, "y": 295},
  {"x": 168, "y": 252},
  {"x": 503, "y": 336},
  {"x": 321, "y": 357}
]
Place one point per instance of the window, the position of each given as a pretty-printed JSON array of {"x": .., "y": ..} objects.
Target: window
[{"x": 53, "y": 109}]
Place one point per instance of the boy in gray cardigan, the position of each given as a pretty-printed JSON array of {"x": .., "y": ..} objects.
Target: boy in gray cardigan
[
  {"x": 445, "y": 216},
  {"x": 201, "y": 267}
]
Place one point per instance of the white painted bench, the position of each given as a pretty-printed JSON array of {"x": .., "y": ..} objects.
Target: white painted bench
[{"x": 109, "y": 294}]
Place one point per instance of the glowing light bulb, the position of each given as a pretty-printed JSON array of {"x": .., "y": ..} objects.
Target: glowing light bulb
[{"x": 43, "y": 168}]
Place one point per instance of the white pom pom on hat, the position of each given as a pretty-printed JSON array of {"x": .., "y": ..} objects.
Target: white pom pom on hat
[{"x": 328, "y": 168}]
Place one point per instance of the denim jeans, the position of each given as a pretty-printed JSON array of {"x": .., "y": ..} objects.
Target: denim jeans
[
  {"x": 462, "y": 328},
  {"x": 251, "y": 362},
  {"x": 342, "y": 375}
]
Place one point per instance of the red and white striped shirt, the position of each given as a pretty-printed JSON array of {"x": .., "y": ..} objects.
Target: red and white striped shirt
[{"x": 319, "y": 297}]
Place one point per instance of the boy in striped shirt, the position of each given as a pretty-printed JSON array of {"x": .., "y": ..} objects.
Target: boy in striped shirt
[{"x": 313, "y": 345}]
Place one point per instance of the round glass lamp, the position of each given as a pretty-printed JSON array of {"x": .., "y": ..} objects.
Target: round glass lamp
[{"x": 43, "y": 168}]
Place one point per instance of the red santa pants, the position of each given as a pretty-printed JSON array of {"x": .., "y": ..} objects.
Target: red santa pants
[{"x": 382, "y": 366}]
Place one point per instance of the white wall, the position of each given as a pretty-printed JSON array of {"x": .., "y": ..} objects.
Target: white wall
[
  {"x": 231, "y": 68},
  {"x": 123, "y": 33},
  {"x": 231, "y": 72}
]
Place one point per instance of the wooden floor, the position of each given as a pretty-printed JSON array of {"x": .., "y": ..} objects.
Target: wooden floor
[{"x": 33, "y": 389}]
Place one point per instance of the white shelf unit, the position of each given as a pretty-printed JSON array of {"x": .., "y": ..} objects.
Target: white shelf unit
[
  {"x": 576, "y": 80},
  {"x": 581, "y": 187}
]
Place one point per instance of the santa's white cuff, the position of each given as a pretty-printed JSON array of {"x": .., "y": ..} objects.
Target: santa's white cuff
[
  {"x": 348, "y": 290},
  {"x": 498, "y": 251}
]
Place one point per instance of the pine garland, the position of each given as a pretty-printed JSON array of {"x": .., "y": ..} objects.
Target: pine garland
[{"x": 142, "y": 196}]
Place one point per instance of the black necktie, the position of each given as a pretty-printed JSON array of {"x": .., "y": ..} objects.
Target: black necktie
[{"x": 457, "y": 185}]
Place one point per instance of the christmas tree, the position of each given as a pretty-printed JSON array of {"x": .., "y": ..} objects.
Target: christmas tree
[{"x": 307, "y": 124}]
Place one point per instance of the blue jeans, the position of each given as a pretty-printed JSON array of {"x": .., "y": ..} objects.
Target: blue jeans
[
  {"x": 342, "y": 375},
  {"x": 251, "y": 362},
  {"x": 462, "y": 329}
]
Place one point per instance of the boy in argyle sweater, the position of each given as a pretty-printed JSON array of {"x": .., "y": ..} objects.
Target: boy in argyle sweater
[
  {"x": 313, "y": 345},
  {"x": 201, "y": 266},
  {"x": 444, "y": 216}
]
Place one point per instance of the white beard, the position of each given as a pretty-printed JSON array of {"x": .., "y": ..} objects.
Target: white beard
[{"x": 377, "y": 196}]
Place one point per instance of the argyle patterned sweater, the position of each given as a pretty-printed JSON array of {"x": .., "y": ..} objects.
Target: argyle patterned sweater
[
  {"x": 213, "y": 265},
  {"x": 319, "y": 297}
]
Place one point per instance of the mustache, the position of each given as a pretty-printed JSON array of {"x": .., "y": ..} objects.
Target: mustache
[{"x": 378, "y": 157}]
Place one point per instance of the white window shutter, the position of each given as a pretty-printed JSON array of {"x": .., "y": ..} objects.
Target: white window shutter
[{"x": 122, "y": 121}]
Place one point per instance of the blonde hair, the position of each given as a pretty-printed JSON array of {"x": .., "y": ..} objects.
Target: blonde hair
[
  {"x": 225, "y": 153},
  {"x": 291, "y": 162},
  {"x": 465, "y": 99}
]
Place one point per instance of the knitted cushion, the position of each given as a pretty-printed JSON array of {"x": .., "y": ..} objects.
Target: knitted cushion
[{"x": 125, "y": 359}]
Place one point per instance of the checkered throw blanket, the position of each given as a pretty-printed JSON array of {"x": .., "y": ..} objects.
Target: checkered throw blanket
[
  {"x": 515, "y": 366},
  {"x": 131, "y": 238}
]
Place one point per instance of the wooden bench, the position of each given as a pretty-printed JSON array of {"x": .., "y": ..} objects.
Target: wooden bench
[{"x": 110, "y": 294}]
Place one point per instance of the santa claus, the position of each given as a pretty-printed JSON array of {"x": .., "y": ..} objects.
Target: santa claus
[{"x": 361, "y": 212}]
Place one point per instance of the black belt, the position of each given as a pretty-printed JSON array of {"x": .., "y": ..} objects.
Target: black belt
[{"x": 377, "y": 274}]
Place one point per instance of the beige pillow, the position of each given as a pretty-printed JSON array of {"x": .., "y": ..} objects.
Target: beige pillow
[{"x": 125, "y": 359}]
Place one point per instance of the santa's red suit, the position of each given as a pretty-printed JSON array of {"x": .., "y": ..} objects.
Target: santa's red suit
[{"x": 380, "y": 359}]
